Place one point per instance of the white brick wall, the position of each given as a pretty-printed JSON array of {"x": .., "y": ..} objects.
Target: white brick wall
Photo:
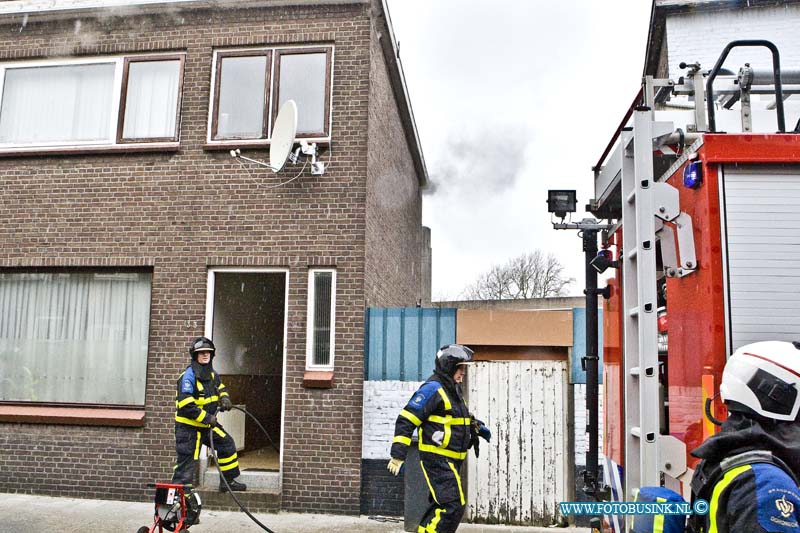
[
  {"x": 383, "y": 400},
  {"x": 581, "y": 440},
  {"x": 701, "y": 36}
]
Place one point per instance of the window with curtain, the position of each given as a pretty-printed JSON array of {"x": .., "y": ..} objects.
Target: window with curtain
[
  {"x": 57, "y": 103},
  {"x": 106, "y": 101},
  {"x": 151, "y": 99},
  {"x": 250, "y": 86},
  {"x": 74, "y": 337},
  {"x": 321, "y": 318}
]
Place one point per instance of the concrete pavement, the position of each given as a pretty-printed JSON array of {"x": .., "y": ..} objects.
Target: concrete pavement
[{"x": 23, "y": 513}]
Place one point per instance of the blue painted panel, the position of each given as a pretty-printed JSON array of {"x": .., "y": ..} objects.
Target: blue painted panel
[
  {"x": 373, "y": 366},
  {"x": 412, "y": 326},
  {"x": 402, "y": 342},
  {"x": 391, "y": 348},
  {"x": 578, "y": 375}
]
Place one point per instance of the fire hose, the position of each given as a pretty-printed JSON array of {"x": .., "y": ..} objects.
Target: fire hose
[{"x": 231, "y": 492}]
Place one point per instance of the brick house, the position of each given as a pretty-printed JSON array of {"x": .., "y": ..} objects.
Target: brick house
[
  {"x": 128, "y": 229},
  {"x": 698, "y": 31}
]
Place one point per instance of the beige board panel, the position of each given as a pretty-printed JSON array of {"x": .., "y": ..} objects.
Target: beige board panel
[{"x": 514, "y": 328}]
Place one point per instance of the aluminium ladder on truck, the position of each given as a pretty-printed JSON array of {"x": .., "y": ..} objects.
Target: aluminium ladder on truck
[{"x": 653, "y": 209}]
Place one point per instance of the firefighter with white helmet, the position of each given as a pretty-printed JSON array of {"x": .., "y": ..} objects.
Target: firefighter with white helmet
[
  {"x": 446, "y": 432},
  {"x": 749, "y": 471}
]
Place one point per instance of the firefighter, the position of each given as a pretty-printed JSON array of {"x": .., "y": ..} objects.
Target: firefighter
[
  {"x": 446, "y": 431},
  {"x": 749, "y": 470},
  {"x": 201, "y": 394}
]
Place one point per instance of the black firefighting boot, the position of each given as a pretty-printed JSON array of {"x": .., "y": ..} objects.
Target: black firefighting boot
[{"x": 235, "y": 486}]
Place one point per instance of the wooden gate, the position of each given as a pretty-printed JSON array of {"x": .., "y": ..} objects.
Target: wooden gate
[{"x": 523, "y": 473}]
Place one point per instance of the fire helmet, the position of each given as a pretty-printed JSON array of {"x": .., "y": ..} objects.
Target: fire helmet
[
  {"x": 170, "y": 517},
  {"x": 201, "y": 344},
  {"x": 193, "y": 507},
  {"x": 450, "y": 356},
  {"x": 764, "y": 377}
]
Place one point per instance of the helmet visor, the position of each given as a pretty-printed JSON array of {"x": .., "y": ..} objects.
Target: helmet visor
[{"x": 201, "y": 345}]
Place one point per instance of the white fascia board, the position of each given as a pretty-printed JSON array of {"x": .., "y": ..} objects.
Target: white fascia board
[
  {"x": 720, "y": 4},
  {"x": 682, "y": 3},
  {"x": 18, "y": 7}
]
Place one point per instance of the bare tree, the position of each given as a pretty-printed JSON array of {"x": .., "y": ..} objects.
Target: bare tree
[{"x": 531, "y": 275}]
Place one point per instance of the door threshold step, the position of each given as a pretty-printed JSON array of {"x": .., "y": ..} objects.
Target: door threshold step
[{"x": 256, "y": 500}]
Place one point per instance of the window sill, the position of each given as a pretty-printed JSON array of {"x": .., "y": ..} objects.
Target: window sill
[
  {"x": 318, "y": 379},
  {"x": 79, "y": 416},
  {"x": 97, "y": 149}
]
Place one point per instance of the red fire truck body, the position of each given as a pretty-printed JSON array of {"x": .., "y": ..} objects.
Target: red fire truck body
[
  {"x": 706, "y": 233},
  {"x": 697, "y": 334}
]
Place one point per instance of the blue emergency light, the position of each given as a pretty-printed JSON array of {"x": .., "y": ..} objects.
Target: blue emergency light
[{"x": 693, "y": 175}]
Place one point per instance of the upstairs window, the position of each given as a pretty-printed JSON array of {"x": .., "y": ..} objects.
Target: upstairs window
[
  {"x": 241, "y": 88},
  {"x": 251, "y": 85},
  {"x": 303, "y": 77},
  {"x": 90, "y": 102},
  {"x": 51, "y": 104},
  {"x": 151, "y": 89}
]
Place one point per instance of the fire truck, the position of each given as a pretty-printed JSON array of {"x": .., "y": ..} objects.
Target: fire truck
[{"x": 699, "y": 189}]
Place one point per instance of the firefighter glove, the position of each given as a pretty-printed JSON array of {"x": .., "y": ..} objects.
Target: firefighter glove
[
  {"x": 396, "y": 466},
  {"x": 484, "y": 432},
  {"x": 212, "y": 421},
  {"x": 225, "y": 403},
  {"x": 474, "y": 443}
]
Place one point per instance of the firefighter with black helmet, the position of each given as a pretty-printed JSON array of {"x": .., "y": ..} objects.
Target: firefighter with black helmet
[
  {"x": 446, "y": 432},
  {"x": 200, "y": 395},
  {"x": 749, "y": 471}
]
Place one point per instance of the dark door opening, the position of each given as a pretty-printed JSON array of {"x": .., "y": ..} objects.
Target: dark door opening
[{"x": 248, "y": 330}]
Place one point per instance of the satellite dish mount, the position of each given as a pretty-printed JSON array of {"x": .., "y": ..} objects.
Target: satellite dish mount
[{"x": 317, "y": 167}]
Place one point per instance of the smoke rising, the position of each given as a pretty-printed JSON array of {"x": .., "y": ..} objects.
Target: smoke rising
[{"x": 479, "y": 162}]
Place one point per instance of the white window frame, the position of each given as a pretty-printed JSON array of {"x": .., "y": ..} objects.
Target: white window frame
[
  {"x": 273, "y": 51},
  {"x": 209, "y": 323},
  {"x": 310, "y": 321},
  {"x": 114, "y": 115}
]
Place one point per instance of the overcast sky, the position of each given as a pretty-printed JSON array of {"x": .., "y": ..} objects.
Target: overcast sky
[{"x": 512, "y": 98}]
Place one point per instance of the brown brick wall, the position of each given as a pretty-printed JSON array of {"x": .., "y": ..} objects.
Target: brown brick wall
[
  {"x": 182, "y": 212},
  {"x": 394, "y": 265}
]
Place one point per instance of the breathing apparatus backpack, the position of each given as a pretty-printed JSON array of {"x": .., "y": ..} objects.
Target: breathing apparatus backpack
[
  {"x": 661, "y": 523},
  {"x": 703, "y": 483},
  {"x": 705, "y": 480}
]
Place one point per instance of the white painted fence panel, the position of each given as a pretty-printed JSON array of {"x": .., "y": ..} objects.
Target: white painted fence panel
[{"x": 522, "y": 474}]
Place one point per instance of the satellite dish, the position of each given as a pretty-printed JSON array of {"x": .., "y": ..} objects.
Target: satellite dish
[{"x": 283, "y": 135}]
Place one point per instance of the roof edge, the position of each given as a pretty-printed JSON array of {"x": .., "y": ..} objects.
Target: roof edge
[
  {"x": 662, "y": 8},
  {"x": 391, "y": 54},
  {"x": 55, "y": 7}
]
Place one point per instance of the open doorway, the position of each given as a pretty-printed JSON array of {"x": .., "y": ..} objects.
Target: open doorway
[{"x": 246, "y": 318}]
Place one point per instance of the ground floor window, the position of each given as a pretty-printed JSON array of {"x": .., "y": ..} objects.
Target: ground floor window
[
  {"x": 321, "y": 319},
  {"x": 76, "y": 336}
]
